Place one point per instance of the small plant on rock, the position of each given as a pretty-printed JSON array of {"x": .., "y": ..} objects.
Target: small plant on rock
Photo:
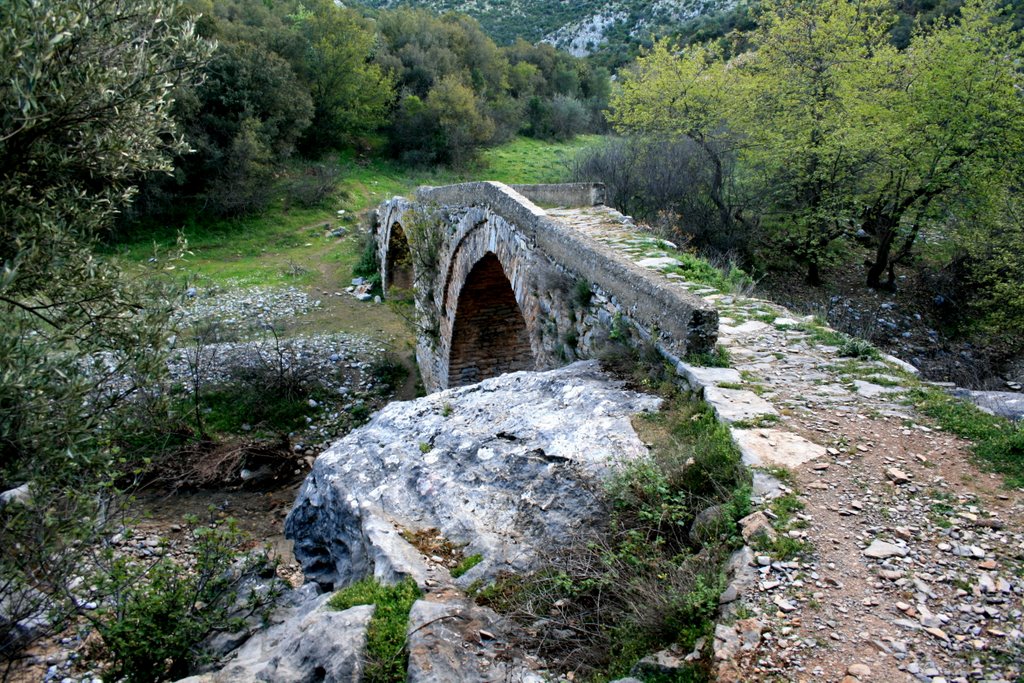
[{"x": 385, "y": 638}]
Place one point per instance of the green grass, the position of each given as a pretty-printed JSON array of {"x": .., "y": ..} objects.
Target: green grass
[
  {"x": 997, "y": 443},
  {"x": 719, "y": 358},
  {"x": 269, "y": 248},
  {"x": 466, "y": 564},
  {"x": 528, "y": 161},
  {"x": 385, "y": 645}
]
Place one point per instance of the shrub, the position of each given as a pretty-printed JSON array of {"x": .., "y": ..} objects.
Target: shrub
[
  {"x": 159, "y": 614},
  {"x": 855, "y": 347},
  {"x": 314, "y": 185}
]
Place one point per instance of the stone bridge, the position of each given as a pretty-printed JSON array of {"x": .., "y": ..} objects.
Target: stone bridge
[{"x": 500, "y": 284}]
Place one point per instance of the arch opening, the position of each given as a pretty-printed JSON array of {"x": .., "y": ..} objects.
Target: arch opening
[
  {"x": 489, "y": 336},
  {"x": 399, "y": 265}
]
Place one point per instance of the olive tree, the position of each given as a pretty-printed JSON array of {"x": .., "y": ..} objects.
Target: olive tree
[{"x": 86, "y": 88}]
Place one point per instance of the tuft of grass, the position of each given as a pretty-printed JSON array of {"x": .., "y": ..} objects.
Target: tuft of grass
[
  {"x": 466, "y": 564},
  {"x": 998, "y": 443},
  {"x": 385, "y": 643},
  {"x": 855, "y": 347},
  {"x": 760, "y": 421},
  {"x": 719, "y": 358}
]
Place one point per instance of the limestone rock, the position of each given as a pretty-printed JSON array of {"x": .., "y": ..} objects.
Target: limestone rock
[
  {"x": 507, "y": 466},
  {"x": 455, "y": 640},
  {"x": 314, "y": 643},
  {"x": 766, "y": 447},
  {"x": 756, "y": 525},
  {"x": 883, "y": 549},
  {"x": 708, "y": 524}
]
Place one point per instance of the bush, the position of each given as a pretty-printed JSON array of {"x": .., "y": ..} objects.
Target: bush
[
  {"x": 855, "y": 347},
  {"x": 314, "y": 185},
  {"x": 670, "y": 184},
  {"x": 158, "y": 615}
]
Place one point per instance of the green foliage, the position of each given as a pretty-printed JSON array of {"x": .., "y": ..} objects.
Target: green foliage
[
  {"x": 998, "y": 444},
  {"x": 466, "y": 564},
  {"x": 350, "y": 94},
  {"x": 718, "y": 358},
  {"x": 388, "y": 372},
  {"x": 87, "y": 91},
  {"x": 582, "y": 294},
  {"x": 855, "y": 347},
  {"x": 158, "y": 614},
  {"x": 385, "y": 647},
  {"x": 837, "y": 135}
]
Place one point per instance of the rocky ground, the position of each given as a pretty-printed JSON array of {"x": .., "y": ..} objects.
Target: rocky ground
[
  {"x": 225, "y": 329},
  {"x": 914, "y": 566}
]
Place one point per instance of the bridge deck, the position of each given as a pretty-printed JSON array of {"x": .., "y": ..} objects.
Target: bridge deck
[{"x": 636, "y": 243}]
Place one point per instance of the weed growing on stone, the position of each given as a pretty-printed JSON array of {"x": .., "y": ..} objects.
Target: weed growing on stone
[
  {"x": 760, "y": 421},
  {"x": 855, "y": 347},
  {"x": 385, "y": 644},
  {"x": 466, "y": 564},
  {"x": 719, "y": 358}
]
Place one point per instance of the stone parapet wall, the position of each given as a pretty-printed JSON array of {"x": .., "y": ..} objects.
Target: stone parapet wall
[{"x": 563, "y": 194}]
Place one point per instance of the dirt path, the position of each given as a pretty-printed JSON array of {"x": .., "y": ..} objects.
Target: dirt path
[
  {"x": 906, "y": 562},
  {"x": 944, "y": 603}
]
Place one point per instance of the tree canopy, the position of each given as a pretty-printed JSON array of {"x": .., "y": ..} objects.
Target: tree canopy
[{"x": 839, "y": 133}]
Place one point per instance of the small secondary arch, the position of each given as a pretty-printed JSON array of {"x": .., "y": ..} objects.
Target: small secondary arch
[
  {"x": 489, "y": 333},
  {"x": 398, "y": 269}
]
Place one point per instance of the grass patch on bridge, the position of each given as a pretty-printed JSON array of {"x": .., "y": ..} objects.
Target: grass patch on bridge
[{"x": 998, "y": 444}]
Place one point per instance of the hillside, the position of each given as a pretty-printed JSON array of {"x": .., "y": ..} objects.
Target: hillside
[{"x": 579, "y": 27}]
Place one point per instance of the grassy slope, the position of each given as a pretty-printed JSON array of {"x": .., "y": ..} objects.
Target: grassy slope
[
  {"x": 274, "y": 248},
  {"x": 294, "y": 247}
]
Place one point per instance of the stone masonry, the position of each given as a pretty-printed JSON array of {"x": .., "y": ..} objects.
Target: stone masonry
[{"x": 478, "y": 248}]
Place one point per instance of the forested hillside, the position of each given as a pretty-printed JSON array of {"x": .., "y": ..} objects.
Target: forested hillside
[{"x": 291, "y": 81}]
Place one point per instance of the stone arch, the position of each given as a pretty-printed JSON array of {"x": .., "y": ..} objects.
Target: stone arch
[
  {"x": 398, "y": 270},
  {"x": 489, "y": 333}
]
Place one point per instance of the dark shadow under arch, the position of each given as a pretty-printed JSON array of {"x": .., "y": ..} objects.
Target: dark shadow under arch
[
  {"x": 399, "y": 266},
  {"x": 489, "y": 336}
]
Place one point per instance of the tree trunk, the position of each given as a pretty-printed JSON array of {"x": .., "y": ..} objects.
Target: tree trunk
[
  {"x": 813, "y": 274},
  {"x": 881, "y": 263}
]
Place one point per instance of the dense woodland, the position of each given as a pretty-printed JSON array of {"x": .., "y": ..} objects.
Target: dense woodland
[
  {"x": 884, "y": 138},
  {"x": 292, "y": 80}
]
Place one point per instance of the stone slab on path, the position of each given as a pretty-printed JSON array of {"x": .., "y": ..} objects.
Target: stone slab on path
[
  {"x": 775, "y": 448},
  {"x": 699, "y": 377},
  {"x": 737, "y": 405}
]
